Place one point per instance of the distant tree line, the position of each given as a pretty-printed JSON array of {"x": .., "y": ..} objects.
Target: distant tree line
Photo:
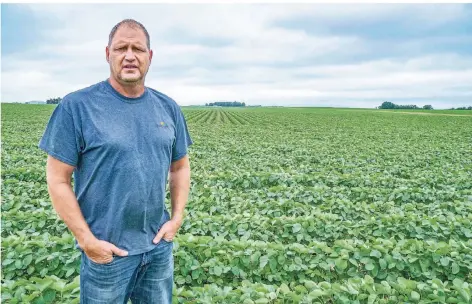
[
  {"x": 462, "y": 108},
  {"x": 226, "y": 104},
  {"x": 53, "y": 100},
  {"x": 391, "y": 105}
]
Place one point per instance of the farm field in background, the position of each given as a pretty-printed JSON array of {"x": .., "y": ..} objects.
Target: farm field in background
[{"x": 288, "y": 205}]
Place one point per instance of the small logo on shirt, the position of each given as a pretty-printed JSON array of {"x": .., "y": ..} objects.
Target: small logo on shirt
[{"x": 162, "y": 123}]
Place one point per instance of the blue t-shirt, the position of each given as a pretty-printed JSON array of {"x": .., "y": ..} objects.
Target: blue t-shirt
[{"x": 122, "y": 149}]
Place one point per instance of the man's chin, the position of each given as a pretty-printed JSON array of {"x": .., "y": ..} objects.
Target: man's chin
[{"x": 131, "y": 80}]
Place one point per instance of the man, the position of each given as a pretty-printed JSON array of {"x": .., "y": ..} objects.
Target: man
[{"x": 121, "y": 140}]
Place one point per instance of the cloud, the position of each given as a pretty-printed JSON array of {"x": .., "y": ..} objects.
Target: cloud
[{"x": 279, "y": 54}]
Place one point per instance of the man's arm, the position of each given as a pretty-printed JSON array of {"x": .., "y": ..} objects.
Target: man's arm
[
  {"x": 179, "y": 184},
  {"x": 58, "y": 176}
]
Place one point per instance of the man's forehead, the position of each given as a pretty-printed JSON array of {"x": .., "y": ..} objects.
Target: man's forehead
[{"x": 127, "y": 35}]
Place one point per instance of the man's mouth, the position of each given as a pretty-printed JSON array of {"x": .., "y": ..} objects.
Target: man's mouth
[{"x": 130, "y": 66}]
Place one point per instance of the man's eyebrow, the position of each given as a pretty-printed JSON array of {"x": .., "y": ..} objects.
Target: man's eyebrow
[{"x": 119, "y": 42}]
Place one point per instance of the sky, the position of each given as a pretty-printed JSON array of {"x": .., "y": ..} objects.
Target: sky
[{"x": 337, "y": 55}]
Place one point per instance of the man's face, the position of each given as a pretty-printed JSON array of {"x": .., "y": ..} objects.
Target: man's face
[{"x": 129, "y": 56}]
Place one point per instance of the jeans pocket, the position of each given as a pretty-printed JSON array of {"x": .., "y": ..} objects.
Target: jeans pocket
[{"x": 101, "y": 264}]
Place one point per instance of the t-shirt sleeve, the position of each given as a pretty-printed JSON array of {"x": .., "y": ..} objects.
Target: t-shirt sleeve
[
  {"x": 182, "y": 137},
  {"x": 61, "y": 139}
]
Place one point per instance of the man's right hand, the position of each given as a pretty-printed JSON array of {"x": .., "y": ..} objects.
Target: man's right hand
[{"x": 101, "y": 252}]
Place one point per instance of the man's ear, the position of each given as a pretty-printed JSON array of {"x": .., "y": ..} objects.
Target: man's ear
[
  {"x": 150, "y": 55},
  {"x": 107, "y": 54}
]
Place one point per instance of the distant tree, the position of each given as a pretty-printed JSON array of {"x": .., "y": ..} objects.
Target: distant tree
[
  {"x": 463, "y": 108},
  {"x": 226, "y": 104},
  {"x": 387, "y": 105},
  {"x": 391, "y": 105},
  {"x": 53, "y": 100},
  {"x": 428, "y": 107}
]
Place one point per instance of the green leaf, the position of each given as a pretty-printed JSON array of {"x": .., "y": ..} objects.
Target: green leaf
[
  {"x": 263, "y": 261},
  {"x": 463, "y": 293},
  {"x": 452, "y": 300},
  {"x": 467, "y": 232},
  {"x": 284, "y": 288},
  {"x": 18, "y": 264},
  {"x": 30, "y": 270},
  {"x": 273, "y": 264},
  {"x": 375, "y": 271},
  {"x": 37, "y": 300},
  {"x": 27, "y": 260},
  {"x": 7, "y": 262},
  {"x": 368, "y": 279},
  {"x": 444, "y": 261},
  {"x": 180, "y": 280},
  {"x": 310, "y": 285},
  {"x": 299, "y": 237},
  {"x": 43, "y": 271},
  {"x": 415, "y": 296},
  {"x": 457, "y": 283},
  {"x": 316, "y": 293},
  {"x": 300, "y": 289},
  {"x": 218, "y": 270},
  {"x": 375, "y": 253},
  {"x": 49, "y": 295},
  {"x": 255, "y": 257},
  {"x": 69, "y": 272},
  {"x": 383, "y": 264},
  {"x": 341, "y": 263},
  {"x": 297, "y": 227},
  {"x": 59, "y": 285},
  {"x": 369, "y": 266},
  {"x": 372, "y": 298},
  {"x": 455, "y": 268}
]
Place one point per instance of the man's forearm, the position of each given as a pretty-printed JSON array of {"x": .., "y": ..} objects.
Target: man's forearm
[
  {"x": 66, "y": 205},
  {"x": 179, "y": 183}
]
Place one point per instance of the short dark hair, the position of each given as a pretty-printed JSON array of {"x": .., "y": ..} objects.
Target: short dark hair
[{"x": 133, "y": 24}]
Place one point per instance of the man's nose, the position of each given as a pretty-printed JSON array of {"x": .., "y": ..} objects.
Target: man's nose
[{"x": 129, "y": 54}]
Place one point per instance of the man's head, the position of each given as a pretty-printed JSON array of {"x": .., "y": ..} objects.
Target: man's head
[{"x": 128, "y": 52}]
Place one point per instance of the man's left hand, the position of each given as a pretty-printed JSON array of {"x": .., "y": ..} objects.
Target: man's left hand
[{"x": 168, "y": 231}]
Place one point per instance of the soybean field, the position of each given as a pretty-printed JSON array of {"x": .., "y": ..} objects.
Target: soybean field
[{"x": 287, "y": 205}]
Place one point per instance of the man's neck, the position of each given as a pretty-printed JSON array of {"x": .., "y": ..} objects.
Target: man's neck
[{"x": 131, "y": 91}]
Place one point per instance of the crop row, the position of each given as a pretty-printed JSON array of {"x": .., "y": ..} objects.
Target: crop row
[
  {"x": 316, "y": 191},
  {"x": 328, "y": 228},
  {"x": 196, "y": 116},
  {"x": 352, "y": 290},
  {"x": 277, "y": 204},
  {"x": 191, "y": 114},
  {"x": 354, "y": 186},
  {"x": 203, "y": 259},
  {"x": 385, "y": 219},
  {"x": 325, "y": 227},
  {"x": 51, "y": 289},
  {"x": 218, "y": 116}
]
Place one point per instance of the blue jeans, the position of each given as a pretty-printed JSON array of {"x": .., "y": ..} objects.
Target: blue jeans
[{"x": 142, "y": 278}]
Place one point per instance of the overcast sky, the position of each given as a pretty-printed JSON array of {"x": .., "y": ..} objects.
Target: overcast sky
[{"x": 355, "y": 55}]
